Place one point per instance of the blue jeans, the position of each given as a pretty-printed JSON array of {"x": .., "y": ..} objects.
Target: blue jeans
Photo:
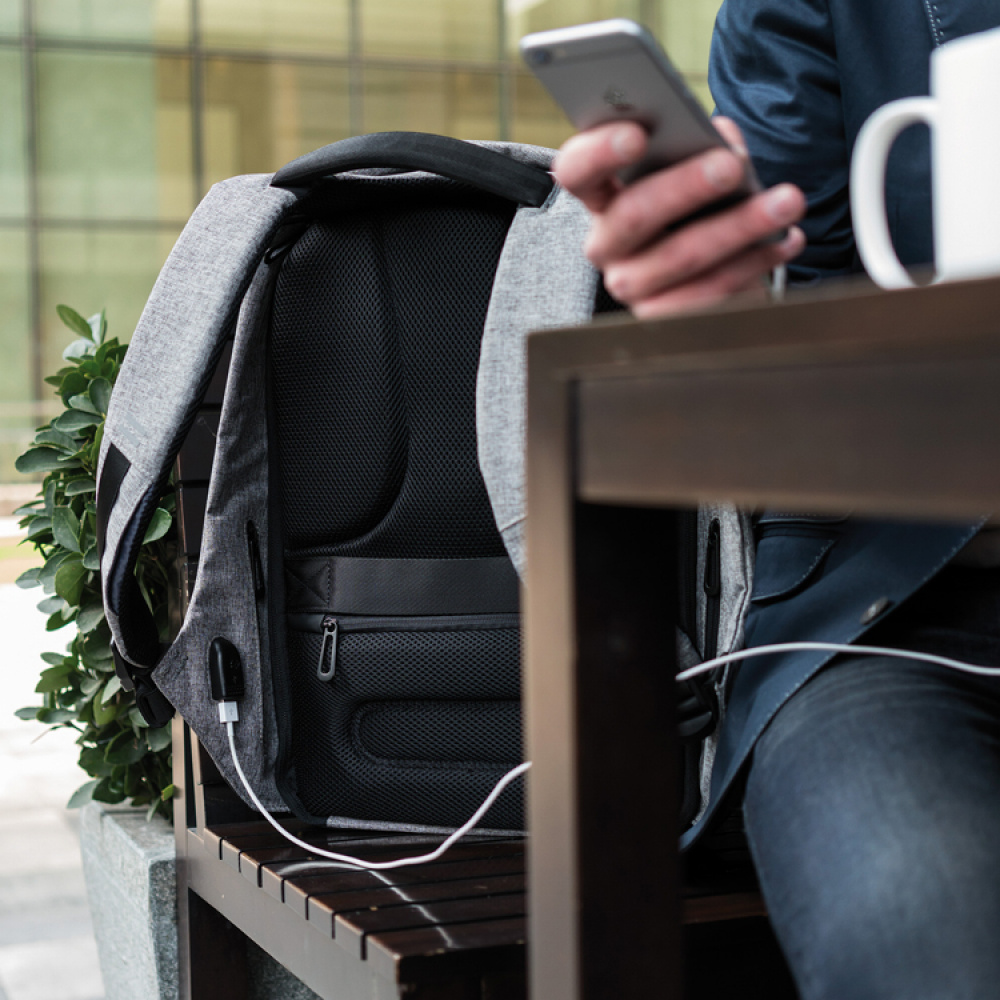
[{"x": 872, "y": 811}]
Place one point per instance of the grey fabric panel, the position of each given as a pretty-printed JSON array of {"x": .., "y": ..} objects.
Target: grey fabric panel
[
  {"x": 178, "y": 332},
  {"x": 223, "y": 602},
  {"x": 543, "y": 280},
  {"x": 354, "y": 586}
]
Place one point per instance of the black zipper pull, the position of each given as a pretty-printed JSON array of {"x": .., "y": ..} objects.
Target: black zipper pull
[
  {"x": 328, "y": 649},
  {"x": 256, "y": 564}
]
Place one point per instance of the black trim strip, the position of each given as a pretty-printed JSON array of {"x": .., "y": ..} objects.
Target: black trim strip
[
  {"x": 356, "y": 586},
  {"x": 113, "y": 473}
]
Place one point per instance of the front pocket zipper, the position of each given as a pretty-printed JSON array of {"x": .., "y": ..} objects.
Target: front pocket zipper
[
  {"x": 331, "y": 627},
  {"x": 328, "y": 649}
]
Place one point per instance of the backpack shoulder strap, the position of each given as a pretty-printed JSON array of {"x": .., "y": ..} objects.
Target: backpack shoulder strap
[
  {"x": 543, "y": 280},
  {"x": 190, "y": 313}
]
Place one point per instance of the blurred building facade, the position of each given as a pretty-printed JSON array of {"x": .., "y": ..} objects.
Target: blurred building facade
[{"x": 117, "y": 116}]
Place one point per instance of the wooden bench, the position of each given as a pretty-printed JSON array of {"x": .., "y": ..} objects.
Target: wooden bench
[
  {"x": 847, "y": 398},
  {"x": 453, "y": 930}
]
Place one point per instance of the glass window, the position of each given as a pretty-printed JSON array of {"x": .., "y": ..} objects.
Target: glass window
[
  {"x": 114, "y": 136},
  {"x": 10, "y": 18},
  {"x": 162, "y": 21},
  {"x": 536, "y": 117},
  {"x": 463, "y": 105},
  {"x": 13, "y": 188},
  {"x": 259, "y": 115},
  {"x": 18, "y": 416},
  {"x": 686, "y": 33},
  {"x": 432, "y": 29},
  {"x": 319, "y": 27},
  {"x": 15, "y": 317},
  {"x": 96, "y": 269}
]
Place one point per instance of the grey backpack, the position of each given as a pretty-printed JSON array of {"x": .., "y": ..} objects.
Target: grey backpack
[{"x": 351, "y": 561}]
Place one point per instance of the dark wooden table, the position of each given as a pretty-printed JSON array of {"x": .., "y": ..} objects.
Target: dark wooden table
[{"x": 852, "y": 398}]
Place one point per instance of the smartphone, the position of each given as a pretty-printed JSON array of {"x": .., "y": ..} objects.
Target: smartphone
[{"x": 615, "y": 70}]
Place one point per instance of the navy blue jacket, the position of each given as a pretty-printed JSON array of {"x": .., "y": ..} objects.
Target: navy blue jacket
[{"x": 801, "y": 77}]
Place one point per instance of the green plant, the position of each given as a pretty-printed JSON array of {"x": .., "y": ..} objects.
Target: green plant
[{"x": 125, "y": 758}]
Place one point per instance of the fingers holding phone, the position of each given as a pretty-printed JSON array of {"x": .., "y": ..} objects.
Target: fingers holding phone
[
  {"x": 650, "y": 262},
  {"x": 674, "y": 196}
]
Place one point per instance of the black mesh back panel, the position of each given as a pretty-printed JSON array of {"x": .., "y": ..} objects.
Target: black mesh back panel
[
  {"x": 376, "y": 327},
  {"x": 378, "y": 318}
]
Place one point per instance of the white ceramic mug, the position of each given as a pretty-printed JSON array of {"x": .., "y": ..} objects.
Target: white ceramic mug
[{"x": 963, "y": 113}]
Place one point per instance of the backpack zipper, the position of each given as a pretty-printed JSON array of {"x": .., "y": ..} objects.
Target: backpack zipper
[
  {"x": 256, "y": 563},
  {"x": 331, "y": 627},
  {"x": 328, "y": 648}
]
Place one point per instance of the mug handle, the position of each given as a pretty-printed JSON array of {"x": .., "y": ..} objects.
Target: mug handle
[{"x": 868, "y": 163}]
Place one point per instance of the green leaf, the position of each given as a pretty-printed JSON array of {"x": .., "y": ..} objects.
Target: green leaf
[
  {"x": 57, "y": 439},
  {"x": 111, "y": 689},
  {"x": 74, "y": 321},
  {"x": 75, "y": 420},
  {"x": 66, "y": 530},
  {"x": 76, "y": 487},
  {"x": 47, "y": 576},
  {"x": 98, "y": 324},
  {"x": 168, "y": 793},
  {"x": 30, "y": 578},
  {"x": 90, "y": 616},
  {"x": 82, "y": 401},
  {"x": 107, "y": 792},
  {"x": 135, "y": 717},
  {"x": 73, "y": 384},
  {"x": 51, "y": 605},
  {"x": 158, "y": 527},
  {"x": 55, "y": 716},
  {"x": 100, "y": 394},
  {"x": 83, "y": 795},
  {"x": 103, "y": 714},
  {"x": 91, "y": 560},
  {"x": 159, "y": 739},
  {"x": 78, "y": 349},
  {"x": 69, "y": 580},
  {"x": 36, "y": 460},
  {"x": 55, "y": 622},
  {"x": 127, "y": 755},
  {"x": 55, "y": 658},
  {"x": 53, "y": 679},
  {"x": 90, "y": 684},
  {"x": 39, "y": 527},
  {"x": 28, "y": 714}
]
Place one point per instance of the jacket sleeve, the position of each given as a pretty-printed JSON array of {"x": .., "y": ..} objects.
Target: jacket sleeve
[{"x": 774, "y": 71}]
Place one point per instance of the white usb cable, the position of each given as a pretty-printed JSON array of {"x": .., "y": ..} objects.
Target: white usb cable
[{"x": 229, "y": 716}]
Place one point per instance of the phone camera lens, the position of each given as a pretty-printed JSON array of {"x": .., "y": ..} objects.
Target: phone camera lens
[{"x": 540, "y": 57}]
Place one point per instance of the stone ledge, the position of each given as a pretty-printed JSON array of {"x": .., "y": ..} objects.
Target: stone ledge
[{"x": 131, "y": 873}]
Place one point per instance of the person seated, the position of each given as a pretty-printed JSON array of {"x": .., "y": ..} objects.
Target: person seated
[{"x": 870, "y": 784}]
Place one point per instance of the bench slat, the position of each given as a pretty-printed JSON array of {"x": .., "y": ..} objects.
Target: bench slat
[
  {"x": 306, "y": 895},
  {"x": 323, "y": 909},
  {"x": 352, "y": 929},
  {"x": 403, "y": 954}
]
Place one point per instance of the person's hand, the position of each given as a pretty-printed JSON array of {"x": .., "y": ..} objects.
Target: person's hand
[{"x": 650, "y": 267}]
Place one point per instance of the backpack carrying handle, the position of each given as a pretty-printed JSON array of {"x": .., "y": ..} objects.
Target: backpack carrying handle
[{"x": 456, "y": 159}]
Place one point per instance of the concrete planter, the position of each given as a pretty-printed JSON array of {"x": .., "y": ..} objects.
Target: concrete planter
[{"x": 130, "y": 869}]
